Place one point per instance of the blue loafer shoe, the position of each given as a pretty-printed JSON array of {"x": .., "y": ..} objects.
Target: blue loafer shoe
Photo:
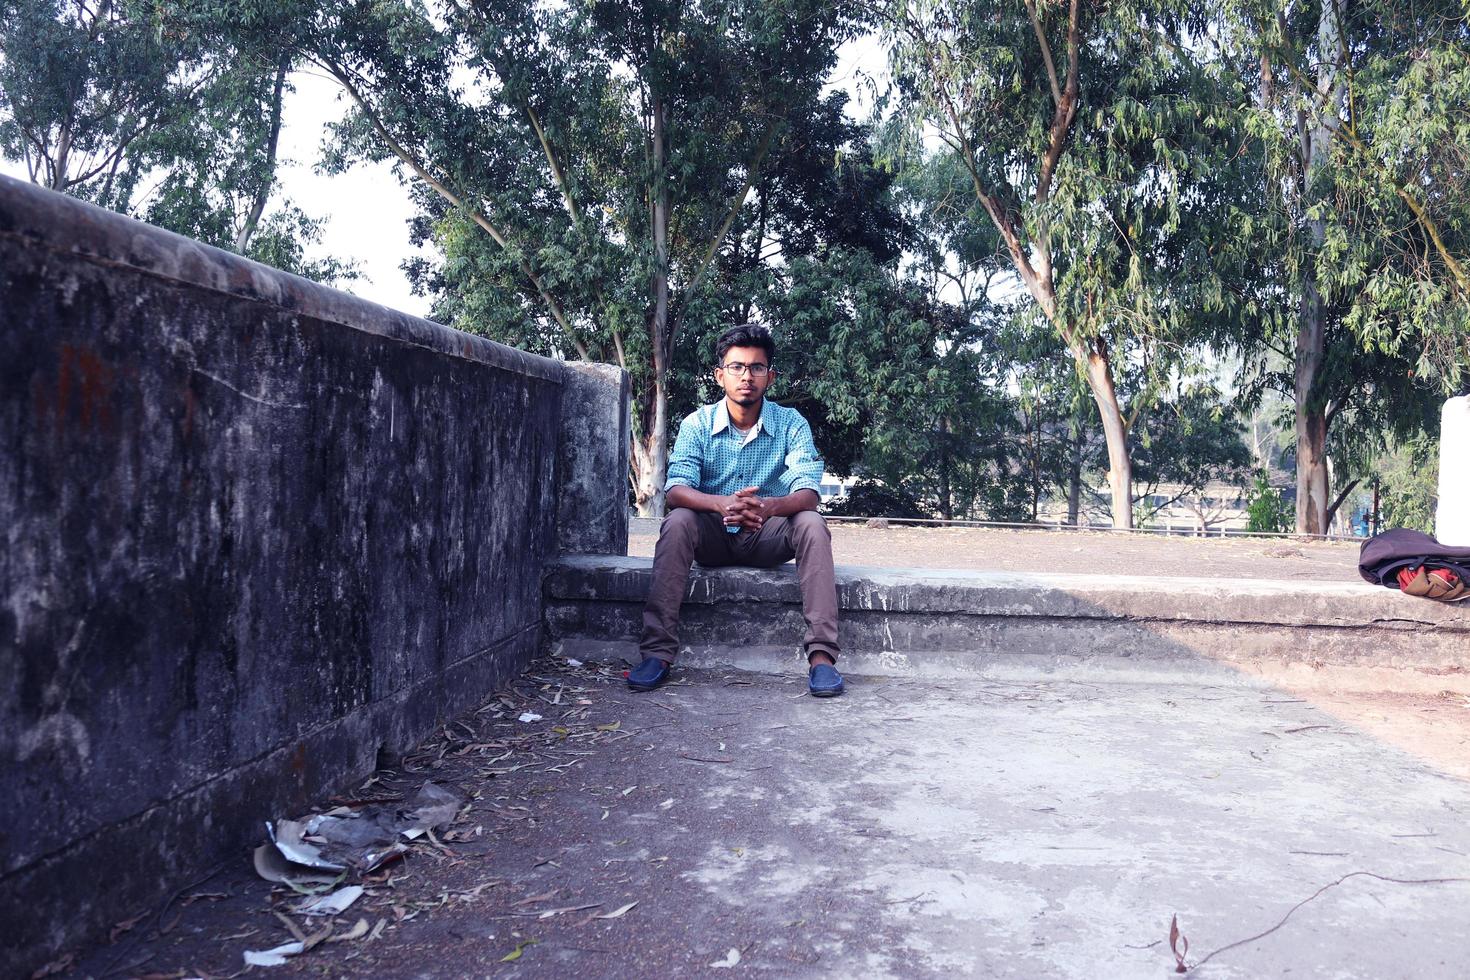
[
  {"x": 823, "y": 681},
  {"x": 648, "y": 675}
]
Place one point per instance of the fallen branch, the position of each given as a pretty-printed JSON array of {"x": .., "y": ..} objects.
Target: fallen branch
[{"x": 1315, "y": 894}]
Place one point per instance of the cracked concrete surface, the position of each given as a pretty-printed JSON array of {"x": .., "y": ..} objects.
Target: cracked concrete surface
[{"x": 953, "y": 827}]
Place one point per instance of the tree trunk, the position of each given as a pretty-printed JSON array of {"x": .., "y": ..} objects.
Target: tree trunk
[
  {"x": 1074, "y": 481},
  {"x": 1034, "y": 436},
  {"x": 1311, "y": 421},
  {"x": 1093, "y": 360},
  {"x": 651, "y": 457},
  {"x": 650, "y": 453},
  {"x": 60, "y": 161},
  {"x": 263, "y": 192},
  {"x": 1334, "y": 509},
  {"x": 946, "y": 503},
  {"x": 1115, "y": 431},
  {"x": 1312, "y": 479}
]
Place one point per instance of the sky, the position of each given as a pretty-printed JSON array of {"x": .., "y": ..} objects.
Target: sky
[{"x": 365, "y": 211}]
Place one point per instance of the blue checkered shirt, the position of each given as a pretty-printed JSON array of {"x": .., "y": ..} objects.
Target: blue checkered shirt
[{"x": 777, "y": 455}]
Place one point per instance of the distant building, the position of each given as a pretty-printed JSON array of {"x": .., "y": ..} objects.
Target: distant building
[{"x": 835, "y": 486}]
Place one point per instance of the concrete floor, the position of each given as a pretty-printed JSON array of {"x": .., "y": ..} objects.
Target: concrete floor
[{"x": 914, "y": 828}]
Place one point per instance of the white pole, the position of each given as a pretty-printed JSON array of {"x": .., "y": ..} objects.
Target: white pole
[{"x": 1452, "y": 519}]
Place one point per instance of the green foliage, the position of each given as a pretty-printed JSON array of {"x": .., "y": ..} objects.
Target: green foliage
[
  {"x": 282, "y": 239},
  {"x": 1408, "y": 481},
  {"x": 1057, "y": 219},
  {"x": 165, "y": 110},
  {"x": 1399, "y": 239},
  {"x": 867, "y": 498},
  {"x": 1267, "y": 512},
  {"x": 610, "y": 180},
  {"x": 1093, "y": 146},
  {"x": 1356, "y": 244},
  {"x": 82, "y": 83},
  {"x": 1050, "y": 439},
  {"x": 1187, "y": 442}
]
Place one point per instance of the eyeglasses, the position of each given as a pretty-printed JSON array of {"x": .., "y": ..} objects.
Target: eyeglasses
[{"x": 738, "y": 369}]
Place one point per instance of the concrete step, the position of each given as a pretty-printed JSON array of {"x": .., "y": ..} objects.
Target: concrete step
[{"x": 1319, "y": 635}]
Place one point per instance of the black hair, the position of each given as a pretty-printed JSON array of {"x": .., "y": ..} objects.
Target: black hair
[{"x": 746, "y": 335}]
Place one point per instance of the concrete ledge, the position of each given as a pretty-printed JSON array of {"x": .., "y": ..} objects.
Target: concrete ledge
[
  {"x": 1338, "y": 635},
  {"x": 37, "y": 218}
]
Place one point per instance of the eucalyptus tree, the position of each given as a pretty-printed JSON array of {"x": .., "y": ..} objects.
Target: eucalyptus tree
[
  {"x": 1088, "y": 132},
  {"x": 1003, "y": 396},
  {"x": 1360, "y": 117},
  {"x": 82, "y": 82},
  {"x": 605, "y": 149},
  {"x": 156, "y": 109},
  {"x": 215, "y": 170}
]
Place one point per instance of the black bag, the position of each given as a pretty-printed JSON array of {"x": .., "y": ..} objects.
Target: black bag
[{"x": 1386, "y": 555}]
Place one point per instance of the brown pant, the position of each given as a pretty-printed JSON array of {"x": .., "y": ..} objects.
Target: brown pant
[{"x": 687, "y": 536}]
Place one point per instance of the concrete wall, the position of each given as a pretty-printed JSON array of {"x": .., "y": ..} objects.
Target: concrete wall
[
  {"x": 1343, "y": 636},
  {"x": 254, "y": 532}
]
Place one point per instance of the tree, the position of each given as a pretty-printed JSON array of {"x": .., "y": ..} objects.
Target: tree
[
  {"x": 868, "y": 498},
  {"x": 1364, "y": 136},
  {"x": 607, "y": 150},
  {"x": 82, "y": 82},
  {"x": 1054, "y": 433},
  {"x": 1188, "y": 445},
  {"x": 1264, "y": 425},
  {"x": 1266, "y": 512},
  {"x": 1408, "y": 480},
  {"x": 156, "y": 109},
  {"x": 1087, "y": 134},
  {"x": 914, "y": 370}
]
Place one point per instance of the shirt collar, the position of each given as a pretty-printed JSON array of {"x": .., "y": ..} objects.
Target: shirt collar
[{"x": 721, "y": 420}]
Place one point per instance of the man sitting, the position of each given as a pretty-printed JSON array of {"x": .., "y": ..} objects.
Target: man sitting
[{"x": 742, "y": 490}]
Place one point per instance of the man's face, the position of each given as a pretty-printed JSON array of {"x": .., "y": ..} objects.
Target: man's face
[{"x": 744, "y": 375}]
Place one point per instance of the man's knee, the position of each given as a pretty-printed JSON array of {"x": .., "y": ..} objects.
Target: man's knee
[
  {"x": 680, "y": 522},
  {"x": 809, "y": 525}
]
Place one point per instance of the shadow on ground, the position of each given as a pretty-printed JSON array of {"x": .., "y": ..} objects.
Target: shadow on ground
[{"x": 912, "y": 828}]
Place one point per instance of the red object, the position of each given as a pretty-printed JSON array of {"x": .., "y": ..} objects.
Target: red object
[{"x": 1407, "y": 575}]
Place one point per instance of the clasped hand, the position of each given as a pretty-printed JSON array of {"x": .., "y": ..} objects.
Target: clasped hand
[{"x": 746, "y": 510}]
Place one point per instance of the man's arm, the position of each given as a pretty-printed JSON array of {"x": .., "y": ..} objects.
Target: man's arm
[
  {"x": 793, "y": 503},
  {"x": 684, "y": 469}
]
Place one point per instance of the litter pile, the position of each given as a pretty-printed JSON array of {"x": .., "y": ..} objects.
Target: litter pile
[
  {"x": 366, "y": 882},
  {"x": 316, "y": 854}
]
